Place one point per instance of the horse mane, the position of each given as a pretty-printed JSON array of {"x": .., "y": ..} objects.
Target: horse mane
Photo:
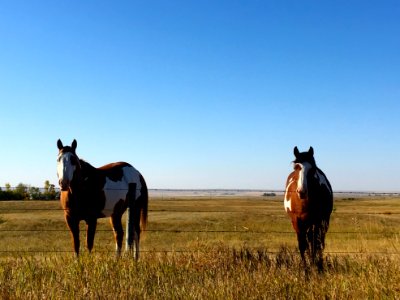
[
  {"x": 86, "y": 168},
  {"x": 85, "y": 164}
]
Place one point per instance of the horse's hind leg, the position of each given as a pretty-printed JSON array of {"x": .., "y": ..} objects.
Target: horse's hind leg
[{"x": 118, "y": 232}]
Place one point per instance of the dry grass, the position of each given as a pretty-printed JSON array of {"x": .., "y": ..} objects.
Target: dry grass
[
  {"x": 218, "y": 273},
  {"x": 261, "y": 262}
]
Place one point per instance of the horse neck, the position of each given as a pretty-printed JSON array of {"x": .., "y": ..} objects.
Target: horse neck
[
  {"x": 88, "y": 173},
  {"x": 86, "y": 168},
  {"x": 311, "y": 175},
  {"x": 314, "y": 182}
]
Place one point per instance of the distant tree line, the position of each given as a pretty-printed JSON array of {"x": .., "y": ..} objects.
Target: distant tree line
[
  {"x": 26, "y": 192},
  {"x": 269, "y": 195}
]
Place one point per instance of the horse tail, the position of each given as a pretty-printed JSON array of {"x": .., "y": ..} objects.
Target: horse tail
[
  {"x": 143, "y": 203},
  {"x": 136, "y": 220}
]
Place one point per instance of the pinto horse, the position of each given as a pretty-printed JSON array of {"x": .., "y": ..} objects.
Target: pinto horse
[
  {"x": 309, "y": 201},
  {"x": 89, "y": 193}
]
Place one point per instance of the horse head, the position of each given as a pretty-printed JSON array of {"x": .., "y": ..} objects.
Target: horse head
[
  {"x": 67, "y": 164},
  {"x": 303, "y": 164}
]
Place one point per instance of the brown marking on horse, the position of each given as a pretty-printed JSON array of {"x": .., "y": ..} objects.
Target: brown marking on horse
[{"x": 114, "y": 170}]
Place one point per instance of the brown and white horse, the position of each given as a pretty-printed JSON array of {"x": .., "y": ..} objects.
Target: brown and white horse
[
  {"x": 89, "y": 193},
  {"x": 309, "y": 202}
]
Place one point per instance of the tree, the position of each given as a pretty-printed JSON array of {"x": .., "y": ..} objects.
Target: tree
[
  {"x": 35, "y": 194},
  {"x": 21, "y": 192},
  {"x": 49, "y": 191},
  {"x": 7, "y": 194},
  {"x": 26, "y": 192}
]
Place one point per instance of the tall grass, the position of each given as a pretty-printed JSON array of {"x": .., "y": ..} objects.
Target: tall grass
[
  {"x": 179, "y": 262},
  {"x": 210, "y": 273}
]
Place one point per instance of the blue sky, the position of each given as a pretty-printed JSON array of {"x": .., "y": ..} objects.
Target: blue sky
[{"x": 203, "y": 94}]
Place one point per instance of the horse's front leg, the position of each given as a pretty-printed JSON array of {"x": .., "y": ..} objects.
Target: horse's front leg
[
  {"x": 319, "y": 242},
  {"x": 301, "y": 230},
  {"x": 303, "y": 245},
  {"x": 73, "y": 225},
  {"x": 90, "y": 232}
]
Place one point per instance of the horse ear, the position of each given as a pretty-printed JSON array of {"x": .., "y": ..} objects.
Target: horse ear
[
  {"x": 59, "y": 144},
  {"x": 74, "y": 144},
  {"x": 311, "y": 151},
  {"x": 296, "y": 151}
]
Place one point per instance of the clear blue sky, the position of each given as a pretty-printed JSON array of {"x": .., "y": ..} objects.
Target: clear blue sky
[{"x": 203, "y": 94}]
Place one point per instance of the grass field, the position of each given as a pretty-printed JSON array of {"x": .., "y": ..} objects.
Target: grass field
[{"x": 203, "y": 248}]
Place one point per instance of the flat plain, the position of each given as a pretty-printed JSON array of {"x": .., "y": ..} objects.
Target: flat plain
[{"x": 203, "y": 247}]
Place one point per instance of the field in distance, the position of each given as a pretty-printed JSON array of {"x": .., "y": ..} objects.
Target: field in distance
[{"x": 358, "y": 225}]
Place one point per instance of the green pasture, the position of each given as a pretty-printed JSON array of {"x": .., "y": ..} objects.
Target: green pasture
[{"x": 203, "y": 248}]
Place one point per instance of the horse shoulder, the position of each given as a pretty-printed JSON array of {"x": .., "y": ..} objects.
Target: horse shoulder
[{"x": 292, "y": 177}]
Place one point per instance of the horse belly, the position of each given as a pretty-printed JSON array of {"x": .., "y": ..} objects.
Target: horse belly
[{"x": 115, "y": 191}]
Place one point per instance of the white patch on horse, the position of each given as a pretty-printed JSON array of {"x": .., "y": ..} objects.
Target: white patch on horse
[
  {"x": 117, "y": 190},
  {"x": 288, "y": 201},
  {"x": 288, "y": 205},
  {"x": 302, "y": 182}
]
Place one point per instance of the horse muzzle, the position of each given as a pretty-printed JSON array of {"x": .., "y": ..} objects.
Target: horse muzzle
[{"x": 64, "y": 185}]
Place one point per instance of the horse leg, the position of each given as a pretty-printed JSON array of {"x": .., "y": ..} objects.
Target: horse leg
[
  {"x": 319, "y": 237},
  {"x": 90, "y": 232},
  {"x": 301, "y": 230},
  {"x": 303, "y": 247},
  {"x": 73, "y": 225},
  {"x": 311, "y": 238},
  {"x": 118, "y": 232}
]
